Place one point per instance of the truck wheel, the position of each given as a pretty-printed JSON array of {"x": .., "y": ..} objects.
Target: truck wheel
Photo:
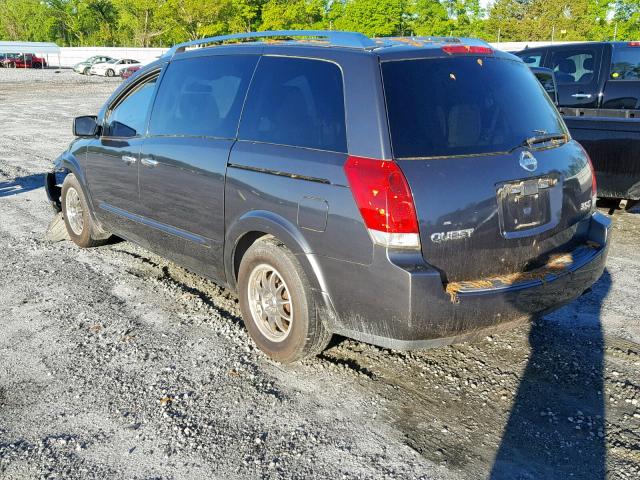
[
  {"x": 36, "y": 65},
  {"x": 110, "y": 73},
  {"x": 277, "y": 303},
  {"x": 631, "y": 204},
  {"x": 77, "y": 219}
]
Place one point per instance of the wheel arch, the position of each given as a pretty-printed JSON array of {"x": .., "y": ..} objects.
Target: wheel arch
[
  {"x": 68, "y": 164},
  {"x": 256, "y": 224}
]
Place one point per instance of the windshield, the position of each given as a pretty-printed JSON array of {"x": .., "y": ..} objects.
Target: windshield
[{"x": 464, "y": 106}]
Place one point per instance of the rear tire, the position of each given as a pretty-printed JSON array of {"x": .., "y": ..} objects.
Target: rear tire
[
  {"x": 110, "y": 73},
  {"x": 277, "y": 303},
  {"x": 77, "y": 219}
]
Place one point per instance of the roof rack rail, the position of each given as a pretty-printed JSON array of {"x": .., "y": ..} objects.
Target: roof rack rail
[{"x": 335, "y": 38}]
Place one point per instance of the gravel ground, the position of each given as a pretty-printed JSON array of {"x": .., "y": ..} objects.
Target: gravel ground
[{"x": 115, "y": 363}]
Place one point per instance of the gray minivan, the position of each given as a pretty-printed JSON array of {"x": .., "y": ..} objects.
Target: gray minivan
[{"x": 406, "y": 192}]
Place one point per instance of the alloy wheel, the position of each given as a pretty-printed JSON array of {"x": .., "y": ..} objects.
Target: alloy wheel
[
  {"x": 270, "y": 302},
  {"x": 74, "y": 211}
]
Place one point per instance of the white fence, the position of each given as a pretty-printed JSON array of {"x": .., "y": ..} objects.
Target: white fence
[
  {"x": 517, "y": 46},
  {"x": 69, "y": 56}
]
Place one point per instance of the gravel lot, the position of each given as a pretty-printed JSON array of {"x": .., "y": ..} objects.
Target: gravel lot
[{"x": 115, "y": 363}]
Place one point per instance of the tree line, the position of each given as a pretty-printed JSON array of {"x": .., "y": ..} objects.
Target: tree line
[{"x": 159, "y": 23}]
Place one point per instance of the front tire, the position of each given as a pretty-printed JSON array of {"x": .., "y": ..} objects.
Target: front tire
[
  {"x": 87, "y": 71},
  {"x": 110, "y": 73},
  {"x": 77, "y": 218},
  {"x": 277, "y": 303}
]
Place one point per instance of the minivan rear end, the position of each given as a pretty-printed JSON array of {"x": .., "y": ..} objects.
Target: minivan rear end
[{"x": 488, "y": 216}]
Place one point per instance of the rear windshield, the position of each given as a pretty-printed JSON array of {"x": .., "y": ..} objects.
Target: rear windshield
[{"x": 464, "y": 105}]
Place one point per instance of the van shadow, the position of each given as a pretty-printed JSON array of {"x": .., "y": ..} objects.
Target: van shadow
[
  {"x": 21, "y": 185},
  {"x": 556, "y": 426}
]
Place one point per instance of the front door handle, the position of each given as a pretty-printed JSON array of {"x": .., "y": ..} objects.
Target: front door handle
[
  {"x": 148, "y": 162},
  {"x": 581, "y": 95},
  {"x": 129, "y": 160}
]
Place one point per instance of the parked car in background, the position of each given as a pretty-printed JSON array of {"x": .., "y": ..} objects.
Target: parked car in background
[
  {"x": 112, "y": 67},
  {"x": 22, "y": 60},
  {"x": 7, "y": 58},
  {"x": 85, "y": 66},
  {"x": 404, "y": 192},
  {"x": 127, "y": 72},
  {"x": 598, "y": 87}
]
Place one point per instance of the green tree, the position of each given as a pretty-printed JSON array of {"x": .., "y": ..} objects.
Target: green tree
[
  {"x": 466, "y": 16},
  {"x": 246, "y": 15},
  {"x": 429, "y": 17},
  {"x": 194, "y": 19},
  {"x": 626, "y": 20},
  {"x": 375, "y": 18},
  {"x": 140, "y": 22},
  {"x": 293, "y": 15},
  {"x": 26, "y": 20}
]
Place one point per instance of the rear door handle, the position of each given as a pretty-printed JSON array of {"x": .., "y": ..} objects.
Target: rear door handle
[
  {"x": 148, "y": 162},
  {"x": 129, "y": 160},
  {"x": 581, "y": 95}
]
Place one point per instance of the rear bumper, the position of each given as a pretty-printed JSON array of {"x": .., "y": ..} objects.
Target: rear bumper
[{"x": 410, "y": 308}]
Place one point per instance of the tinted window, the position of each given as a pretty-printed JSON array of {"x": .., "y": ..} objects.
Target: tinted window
[
  {"x": 625, "y": 64},
  {"x": 129, "y": 117},
  {"x": 202, "y": 96},
  {"x": 296, "y": 102},
  {"x": 546, "y": 80},
  {"x": 573, "y": 66},
  {"x": 464, "y": 105},
  {"x": 531, "y": 59}
]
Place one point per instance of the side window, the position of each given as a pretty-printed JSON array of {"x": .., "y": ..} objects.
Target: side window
[
  {"x": 129, "y": 116},
  {"x": 546, "y": 80},
  {"x": 531, "y": 59},
  {"x": 202, "y": 96},
  {"x": 625, "y": 64},
  {"x": 297, "y": 102},
  {"x": 574, "y": 66}
]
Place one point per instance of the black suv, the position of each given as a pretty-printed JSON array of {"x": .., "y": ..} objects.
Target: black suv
[{"x": 406, "y": 192}]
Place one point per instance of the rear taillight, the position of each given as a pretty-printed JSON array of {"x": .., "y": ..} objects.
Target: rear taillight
[
  {"x": 633, "y": 44},
  {"x": 594, "y": 183},
  {"x": 467, "y": 49},
  {"x": 385, "y": 202}
]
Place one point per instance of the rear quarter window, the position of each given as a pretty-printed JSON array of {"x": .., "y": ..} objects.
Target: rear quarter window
[
  {"x": 297, "y": 102},
  {"x": 531, "y": 59},
  {"x": 625, "y": 64}
]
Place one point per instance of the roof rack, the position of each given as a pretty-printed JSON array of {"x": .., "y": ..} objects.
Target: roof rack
[{"x": 335, "y": 38}]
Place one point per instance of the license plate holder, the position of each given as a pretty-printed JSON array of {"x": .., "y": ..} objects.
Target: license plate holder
[{"x": 527, "y": 207}]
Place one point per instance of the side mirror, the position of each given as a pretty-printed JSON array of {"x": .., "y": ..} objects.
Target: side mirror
[{"x": 86, "y": 126}]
